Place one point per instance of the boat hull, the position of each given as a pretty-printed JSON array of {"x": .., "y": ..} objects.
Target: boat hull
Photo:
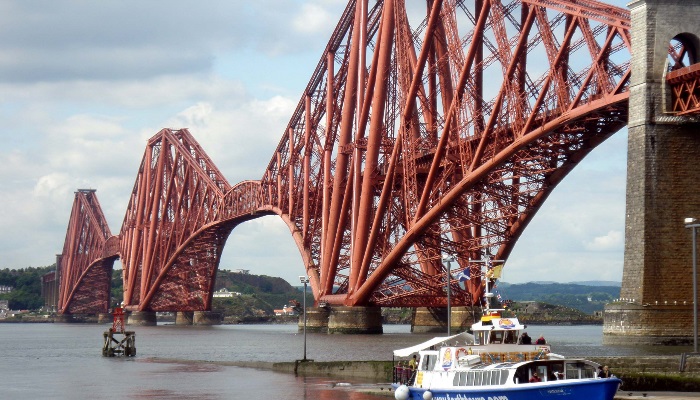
[{"x": 588, "y": 389}]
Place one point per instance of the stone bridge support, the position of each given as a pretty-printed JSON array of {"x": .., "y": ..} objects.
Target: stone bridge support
[
  {"x": 427, "y": 320},
  {"x": 355, "y": 320},
  {"x": 663, "y": 185}
]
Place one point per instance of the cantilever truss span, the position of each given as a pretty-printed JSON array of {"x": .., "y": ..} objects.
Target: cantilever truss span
[
  {"x": 428, "y": 128},
  {"x": 439, "y": 128},
  {"x": 88, "y": 254}
]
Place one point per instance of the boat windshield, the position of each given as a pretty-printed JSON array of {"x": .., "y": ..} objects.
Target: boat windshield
[
  {"x": 496, "y": 337},
  {"x": 427, "y": 361},
  {"x": 554, "y": 370}
]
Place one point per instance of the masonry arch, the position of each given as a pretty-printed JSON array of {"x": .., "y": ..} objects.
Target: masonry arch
[{"x": 683, "y": 50}]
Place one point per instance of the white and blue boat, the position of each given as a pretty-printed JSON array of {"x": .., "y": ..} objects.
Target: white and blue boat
[{"x": 494, "y": 364}]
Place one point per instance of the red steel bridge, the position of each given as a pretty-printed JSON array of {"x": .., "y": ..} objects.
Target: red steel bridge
[{"x": 428, "y": 129}]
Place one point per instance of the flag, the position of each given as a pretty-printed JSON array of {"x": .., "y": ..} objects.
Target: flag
[
  {"x": 495, "y": 272},
  {"x": 463, "y": 275}
]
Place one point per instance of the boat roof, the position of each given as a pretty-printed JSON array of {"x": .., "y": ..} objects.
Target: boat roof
[{"x": 465, "y": 337}]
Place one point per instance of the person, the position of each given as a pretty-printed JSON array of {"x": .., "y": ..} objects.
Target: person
[
  {"x": 541, "y": 340},
  {"x": 525, "y": 339},
  {"x": 535, "y": 378},
  {"x": 412, "y": 366},
  {"x": 603, "y": 372},
  {"x": 413, "y": 363}
]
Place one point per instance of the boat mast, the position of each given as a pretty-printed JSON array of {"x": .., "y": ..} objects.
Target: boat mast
[{"x": 488, "y": 265}]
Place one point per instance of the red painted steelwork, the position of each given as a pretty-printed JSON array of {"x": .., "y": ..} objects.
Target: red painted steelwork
[
  {"x": 85, "y": 266},
  {"x": 425, "y": 130},
  {"x": 685, "y": 84},
  {"x": 171, "y": 238},
  {"x": 441, "y": 130}
]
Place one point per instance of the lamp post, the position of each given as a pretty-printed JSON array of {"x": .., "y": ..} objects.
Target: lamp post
[
  {"x": 449, "y": 259},
  {"x": 693, "y": 224},
  {"x": 305, "y": 280}
]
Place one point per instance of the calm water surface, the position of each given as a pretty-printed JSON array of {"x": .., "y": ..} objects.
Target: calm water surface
[{"x": 64, "y": 361}]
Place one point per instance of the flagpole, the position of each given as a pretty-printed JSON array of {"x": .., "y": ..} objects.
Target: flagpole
[
  {"x": 487, "y": 262},
  {"x": 449, "y": 259}
]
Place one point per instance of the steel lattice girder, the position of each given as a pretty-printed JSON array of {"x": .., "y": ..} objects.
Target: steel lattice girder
[
  {"x": 85, "y": 265},
  {"x": 178, "y": 191},
  {"x": 442, "y": 132},
  {"x": 685, "y": 86}
]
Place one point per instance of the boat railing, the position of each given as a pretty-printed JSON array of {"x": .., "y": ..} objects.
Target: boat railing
[{"x": 404, "y": 375}]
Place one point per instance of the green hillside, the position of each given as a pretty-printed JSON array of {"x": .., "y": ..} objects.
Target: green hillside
[
  {"x": 26, "y": 287},
  {"x": 586, "y": 298},
  {"x": 259, "y": 295}
]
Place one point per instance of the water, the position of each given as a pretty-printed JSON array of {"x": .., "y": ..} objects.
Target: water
[{"x": 64, "y": 361}]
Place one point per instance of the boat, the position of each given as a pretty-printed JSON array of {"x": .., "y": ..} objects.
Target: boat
[{"x": 497, "y": 362}]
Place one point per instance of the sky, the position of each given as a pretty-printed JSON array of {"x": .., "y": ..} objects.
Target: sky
[{"x": 84, "y": 85}]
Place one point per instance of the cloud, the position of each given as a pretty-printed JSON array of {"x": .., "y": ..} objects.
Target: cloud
[
  {"x": 74, "y": 40},
  {"x": 577, "y": 233},
  {"x": 312, "y": 19},
  {"x": 613, "y": 240}
]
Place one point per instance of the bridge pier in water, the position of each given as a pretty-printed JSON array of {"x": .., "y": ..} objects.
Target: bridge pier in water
[
  {"x": 64, "y": 318},
  {"x": 316, "y": 319},
  {"x": 142, "y": 318},
  {"x": 103, "y": 318},
  {"x": 184, "y": 317},
  {"x": 663, "y": 182},
  {"x": 353, "y": 320},
  {"x": 206, "y": 318},
  {"x": 434, "y": 320}
]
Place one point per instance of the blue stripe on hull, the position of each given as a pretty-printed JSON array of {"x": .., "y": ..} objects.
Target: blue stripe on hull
[{"x": 594, "y": 389}]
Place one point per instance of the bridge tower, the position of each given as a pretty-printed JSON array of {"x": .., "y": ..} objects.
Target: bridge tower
[{"x": 663, "y": 181}]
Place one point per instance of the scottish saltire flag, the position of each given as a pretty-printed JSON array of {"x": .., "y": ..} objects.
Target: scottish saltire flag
[{"x": 463, "y": 275}]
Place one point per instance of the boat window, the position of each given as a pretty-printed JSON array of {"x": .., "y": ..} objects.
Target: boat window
[
  {"x": 580, "y": 370},
  {"x": 487, "y": 378},
  {"x": 495, "y": 377},
  {"x": 523, "y": 374},
  {"x": 428, "y": 362},
  {"x": 459, "y": 379},
  {"x": 504, "y": 377},
  {"x": 555, "y": 371},
  {"x": 496, "y": 337},
  {"x": 480, "y": 337},
  {"x": 511, "y": 337},
  {"x": 588, "y": 371},
  {"x": 470, "y": 378}
]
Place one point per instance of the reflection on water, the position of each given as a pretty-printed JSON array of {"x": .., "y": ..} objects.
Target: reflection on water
[{"x": 63, "y": 361}]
